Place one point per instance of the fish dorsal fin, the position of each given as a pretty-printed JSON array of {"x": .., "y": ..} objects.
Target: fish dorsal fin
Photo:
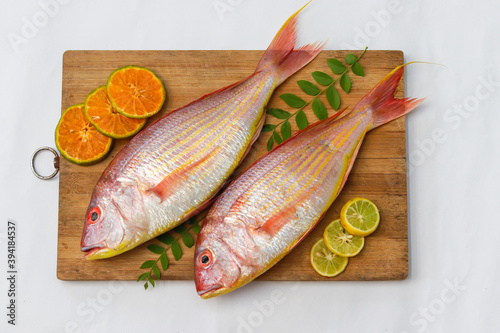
[
  {"x": 171, "y": 183},
  {"x": 231, "y": 86}
]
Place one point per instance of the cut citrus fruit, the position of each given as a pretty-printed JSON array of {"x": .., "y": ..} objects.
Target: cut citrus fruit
[
  {"x": 360, "y": 217},
  {"x": 77, "y": 140},
  {"x": 135, "y": 92},
  {"x": 341, "y": 242},
  {"x": 106, "y": 120},
  {"x": 325, "y": 262}
]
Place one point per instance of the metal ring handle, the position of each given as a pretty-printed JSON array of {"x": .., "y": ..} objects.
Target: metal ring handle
[{"x": 56, "y": 163}]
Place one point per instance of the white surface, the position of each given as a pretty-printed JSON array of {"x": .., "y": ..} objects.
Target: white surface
[{"x": 453, "y": 185}]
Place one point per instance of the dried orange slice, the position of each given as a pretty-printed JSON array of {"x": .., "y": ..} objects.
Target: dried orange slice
[
  {"x": 135, "y": 92},
  {"x": 77, "y": 139},
  {"x": 103, "y": 116}
]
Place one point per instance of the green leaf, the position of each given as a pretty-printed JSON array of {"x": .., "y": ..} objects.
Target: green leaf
[
  {"x": 142, "y": 276},
  {"x": 180, "y": 229},
  {"x": 358, "y": 69},
  {"x": 308, "y": 87},
  {"x": 301, "y": 120},
  {"x": 333, "y": 97},
  {"x": 278, "y": 113},
  {"x": 150, "y": 279},
  {"x": 293, "y": 100},
  {"x": 319, "y": 109},
  {"x": 277, "y": 137},
  {"x": 164, "y": 261},
  {"x": 350, "y": 58},
  {"x": 148, "y": 264},
  {"x": 157, "y": 272},
  {"x": 345, "y": 83},
  {"x": 187, "y": 240},
  {"x": 192, "y": 220},
  {"x": 322, "y": 78},
  {"x": 336, "y": 66},
  {"x": 156, "y": 248},
  {"x": 146, "y": 285},
  {"x": 196, "y": 228},
  {"x": 270, "y": 143},
  {"x": 176, "y": 250},
  {"x": 268, "y": 127},
  {"x": 286, "y": 130},
  {"x": 166, "y": 239}
]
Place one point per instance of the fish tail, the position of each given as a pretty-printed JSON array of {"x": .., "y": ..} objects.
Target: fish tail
[
  {"x": 282, "y": 56},
  {"x": 381, "y": 99}
]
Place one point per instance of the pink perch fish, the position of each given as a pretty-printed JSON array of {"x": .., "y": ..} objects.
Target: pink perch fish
[
  {"x": 173, "y": 169},
  {"x": 271, "y": 207}
]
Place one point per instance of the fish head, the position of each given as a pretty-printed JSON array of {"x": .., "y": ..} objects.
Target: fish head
[
  {"x": 115, "y": 212},
  {"x": 217, "y": 270}
]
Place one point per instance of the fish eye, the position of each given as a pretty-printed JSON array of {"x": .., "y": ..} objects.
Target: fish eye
[
  {"x": 205, "y": 258},
  {"x": 94, "y": 215}
]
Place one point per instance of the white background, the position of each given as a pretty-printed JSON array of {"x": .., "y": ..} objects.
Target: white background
[{"x": 453, "y": 157}]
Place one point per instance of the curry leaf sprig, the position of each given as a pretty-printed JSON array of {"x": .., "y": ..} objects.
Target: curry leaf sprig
[
  {"x": 155, "y": 267},
  {"x": 327, "y": 84}
]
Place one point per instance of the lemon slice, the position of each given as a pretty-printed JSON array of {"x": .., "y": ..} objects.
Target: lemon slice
[
  {"x": 341, "y": 242},
  {"x": 325, "y": 262},
  {"x": 360, "y": 217}
]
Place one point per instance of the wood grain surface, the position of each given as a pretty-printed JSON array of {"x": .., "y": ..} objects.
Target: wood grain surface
[{"x": 379, "y": 172}]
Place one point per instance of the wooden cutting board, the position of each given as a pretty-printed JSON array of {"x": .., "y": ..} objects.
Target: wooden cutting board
[{"x": 379, "y": 172}]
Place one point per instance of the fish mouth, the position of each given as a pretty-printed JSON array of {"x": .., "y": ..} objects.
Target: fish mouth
[
  {"x": 213, "y": 291},
  {"x": 99, "y": 251},
  {"x": 91, "y": 248},
  {"x": 95, "y": 252}
]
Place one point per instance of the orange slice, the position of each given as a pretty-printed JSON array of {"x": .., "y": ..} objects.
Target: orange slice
[
  {"x": 77, "y": 140},
  {"x": 103, "y": 116},
  {"x": 135, "y": 92}
]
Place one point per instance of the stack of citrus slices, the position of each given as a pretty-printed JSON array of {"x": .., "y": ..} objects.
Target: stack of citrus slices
[
  {"x": 344, "y": 237},
  {"x": 85, "y": 132}
]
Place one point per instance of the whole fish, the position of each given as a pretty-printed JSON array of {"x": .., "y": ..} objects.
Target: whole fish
[
  {"x": 273, "y": 205},
  {"x": 172, "y": 169}
]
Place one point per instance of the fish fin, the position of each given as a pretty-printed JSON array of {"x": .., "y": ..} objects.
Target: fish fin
[
  {"x": 282, "y": 56},
  {"x": 350, "y": 165},
  {"x": 315, "y": 126},
  {"x": 223, "y": 89},
  {"x": 381, "y": 99},
  {"x": 204, "y": 205},
  {"x": 276, "y": 222},
  {"x": 209, "y": 94},
  {"x": 170, "y": 183},
  {"x": 167, "y": 186},
  {"x": 326, "y": 122},
  {"x": 254, "y": 138},
  {"x": 297, "y": 242}
]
